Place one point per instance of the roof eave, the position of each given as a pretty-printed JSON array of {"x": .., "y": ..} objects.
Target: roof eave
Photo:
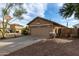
[{"x": 46, "y": 20}]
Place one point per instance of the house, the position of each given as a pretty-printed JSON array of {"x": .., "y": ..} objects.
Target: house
[
  {"x": 76, "y": 30},
  {"x": 41, "y": 27},
  {"x": 76, "y": 25},
  {"x": 16, "y": 28},
  {"x": 11, "y": 28}
]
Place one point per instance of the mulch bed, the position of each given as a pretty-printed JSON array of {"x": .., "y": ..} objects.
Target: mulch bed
[{"x": 49, "y": 48}]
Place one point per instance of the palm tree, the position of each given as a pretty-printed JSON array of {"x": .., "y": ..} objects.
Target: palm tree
[
  {"x": 69, "y": 9},
  {"x": 18, "y": 12}
]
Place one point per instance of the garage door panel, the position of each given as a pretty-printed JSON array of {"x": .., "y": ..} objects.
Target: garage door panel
[{"x": 40, "y": 32}]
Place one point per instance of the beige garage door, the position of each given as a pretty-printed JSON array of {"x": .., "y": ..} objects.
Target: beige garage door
[{"x": 40, "y": 31}]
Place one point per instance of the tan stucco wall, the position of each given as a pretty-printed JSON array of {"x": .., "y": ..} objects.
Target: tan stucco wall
[{"x": 17, "y": 28}]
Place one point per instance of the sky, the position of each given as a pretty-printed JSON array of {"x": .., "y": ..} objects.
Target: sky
[{"x": 48, "y": 11}]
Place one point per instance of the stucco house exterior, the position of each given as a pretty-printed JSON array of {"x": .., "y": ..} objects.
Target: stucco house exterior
[
  {"x": 16, "y": 28},
  {"x": 76, "y": 25},
  {"x": 41, "y": 27},
  {"x": 76, "y": 30},
  {"x": 11, "y": 28}
]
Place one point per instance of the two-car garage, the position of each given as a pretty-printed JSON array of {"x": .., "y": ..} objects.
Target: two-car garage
[{"x": 40, "y": 31}]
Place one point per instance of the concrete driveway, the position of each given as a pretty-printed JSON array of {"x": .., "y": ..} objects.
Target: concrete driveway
[{"x": 10, "y": 45}]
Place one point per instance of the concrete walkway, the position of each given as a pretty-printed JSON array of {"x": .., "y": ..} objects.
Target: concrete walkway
[{"x": 9, "y": 45}]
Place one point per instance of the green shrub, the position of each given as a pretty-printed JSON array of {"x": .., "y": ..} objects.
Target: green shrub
[{"x": 25, "y": 31}]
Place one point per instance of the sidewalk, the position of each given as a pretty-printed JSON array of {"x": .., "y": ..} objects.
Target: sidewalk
[{"x": 10, "y": 45}]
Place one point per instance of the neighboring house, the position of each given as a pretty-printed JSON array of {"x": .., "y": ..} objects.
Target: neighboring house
[
  {"x": 42, "y": 27},
  {"x": 76, "y": 30},
  {"x": 76, "y": 25},
  {"x": 16, "y": 28},
  {"x": 12, "y": 27}
]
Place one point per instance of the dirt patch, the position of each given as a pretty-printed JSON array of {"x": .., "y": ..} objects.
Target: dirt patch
[{"x": 50, "y": 48}]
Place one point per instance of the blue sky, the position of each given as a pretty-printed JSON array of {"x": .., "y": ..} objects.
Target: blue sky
[
  {"x": 52, "y": 13},
  {"x": 45, "y": 10}
]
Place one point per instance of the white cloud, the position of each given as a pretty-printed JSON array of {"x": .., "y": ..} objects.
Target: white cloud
[
  {"x": 36, "y": 9},
  {"x": 60, "y": 4},
  {"x": 72, "y": 17},
  {"x": 75, "y": 21},
  {"x": 72, "y": 22},
  {"x": 33, "y": 10}
]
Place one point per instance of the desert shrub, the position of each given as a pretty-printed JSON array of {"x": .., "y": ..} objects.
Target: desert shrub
[{"x": 25, "y": 31}]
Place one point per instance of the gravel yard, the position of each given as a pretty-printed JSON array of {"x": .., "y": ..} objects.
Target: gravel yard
[{"x": 53, "y": 47}]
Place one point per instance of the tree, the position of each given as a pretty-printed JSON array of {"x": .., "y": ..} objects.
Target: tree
[
  {"x": 70, "y": 9},
  {"x": 18, "y": 11}
]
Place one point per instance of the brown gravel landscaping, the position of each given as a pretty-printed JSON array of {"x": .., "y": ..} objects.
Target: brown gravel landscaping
[{"x": 57, "y": 47}]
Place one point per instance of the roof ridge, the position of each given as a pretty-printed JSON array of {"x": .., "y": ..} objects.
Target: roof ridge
[{"x": 45, "y": 19}]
